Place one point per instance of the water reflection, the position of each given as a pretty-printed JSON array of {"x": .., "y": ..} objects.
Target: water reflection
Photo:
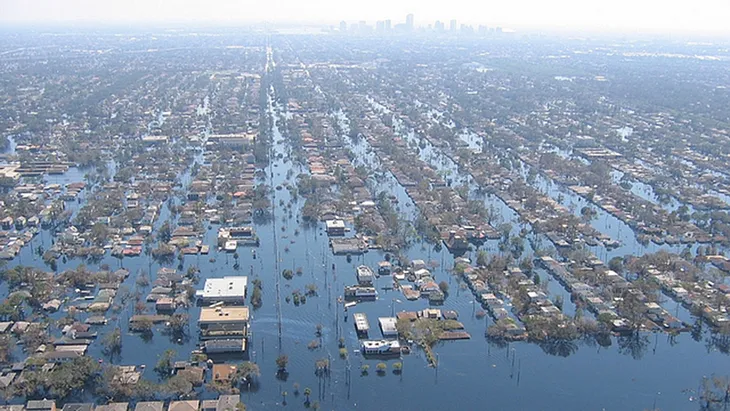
[{"x": 634, "y": 345}]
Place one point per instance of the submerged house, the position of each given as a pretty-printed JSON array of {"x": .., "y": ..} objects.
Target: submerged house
[{"x": 381, "y": 347}]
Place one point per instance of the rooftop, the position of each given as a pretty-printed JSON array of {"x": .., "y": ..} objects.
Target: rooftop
[
  {"x": 231, "y": 343},
  {"x": 78, "y": 407},
  {"x": 332, "y": 224},
  {"x": 226, "y": 287},
  {"x": 223, "y": 372},
  {"x": 150, "y": 406},
  {"x": 227, "y": 402},
  {"x": 387, "y": 324},
  {"x": 40, "y": 404},
  {"x": 190, "y": 405},
  {"x": 223, "y": 314},
  {"x": 115, "y": 406}
]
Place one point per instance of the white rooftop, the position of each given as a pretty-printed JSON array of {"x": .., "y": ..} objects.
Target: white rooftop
[
  {"x": 229, "y": 286},
  {"x": 388, "y": 325},
  {"x": 334, "y": 224}
]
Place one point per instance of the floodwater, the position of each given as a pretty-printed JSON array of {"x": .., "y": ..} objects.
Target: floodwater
[{"x": 652, "y": 371}]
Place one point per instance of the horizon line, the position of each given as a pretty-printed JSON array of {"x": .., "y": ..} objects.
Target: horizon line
[{"x": 324, "y": 24}]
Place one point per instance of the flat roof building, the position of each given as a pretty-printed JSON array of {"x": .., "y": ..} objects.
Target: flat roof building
[
  {"x": 150, "y": 140},
  {"x": 223, "y": 315},
  {"x": 387, "y": 326},
  {"x": 236, "y": 139},
  {"x": 365, "y": 275},
  {"x": 41, "y": 405},
  {"x": 229, "y": 289},
  {"x": 335, "y": 227},
  {"x": 361, "y": 323},
  {"x": 223, "y": 323}
]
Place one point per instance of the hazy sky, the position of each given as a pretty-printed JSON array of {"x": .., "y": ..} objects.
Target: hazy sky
[{"x": 674, "y": 15}]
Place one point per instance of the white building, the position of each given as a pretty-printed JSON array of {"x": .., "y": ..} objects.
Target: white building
[
  {"x": 387, "y": 326},
  {"x": 335, "y": 227},
  {"x": 365, "y": 275},
  {"x": 230, "y": 289},
  {"x": 382, "y": 347},
  {"x": 418, "y": 264},
  {"x": 152, "y": 140}
]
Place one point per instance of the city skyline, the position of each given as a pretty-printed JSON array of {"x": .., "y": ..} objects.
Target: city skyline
[
  {"x": 384, "y": 26},
  {"x": 702, "y": 16}
]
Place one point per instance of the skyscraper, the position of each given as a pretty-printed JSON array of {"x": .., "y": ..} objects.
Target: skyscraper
[
  {"x": 343, "y": 26},
  {"x": 409, "y": 21},
  {"x": 387, "y": 25},
  {"x": 452, "y": 25}
]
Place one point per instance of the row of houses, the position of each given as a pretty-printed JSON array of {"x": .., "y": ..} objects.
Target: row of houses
[
  {"x": 706, "y": 298},
  {"x": 497, "y": 307},
  {"x": 45, "y": 202},
  {"x": 601, "y": 307},
  {"x": 222, "y": 403}
]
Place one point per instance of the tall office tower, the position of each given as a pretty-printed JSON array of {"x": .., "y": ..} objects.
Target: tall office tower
[
  {"x": 465, "y": 28},
  {"x": 387, "y": 25},
  {"x": 409, "y": 22},
  {"x": 452, "y": 25},
  {"x": 343, "y": 26},
  {"x": 379, "y": 26}
]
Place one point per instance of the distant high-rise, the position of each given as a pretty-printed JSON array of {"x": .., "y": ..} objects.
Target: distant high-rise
[
  {"x": 343, "y": 26},
  {"x": 387, "y": 25},
  {"x": 380, "y": 25},
  {"x": 438, "y": 26},
  {"x": 409, "y": 21},
  {"x": 465, "y": 28},
  {"x": 452, "y": 25}
]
